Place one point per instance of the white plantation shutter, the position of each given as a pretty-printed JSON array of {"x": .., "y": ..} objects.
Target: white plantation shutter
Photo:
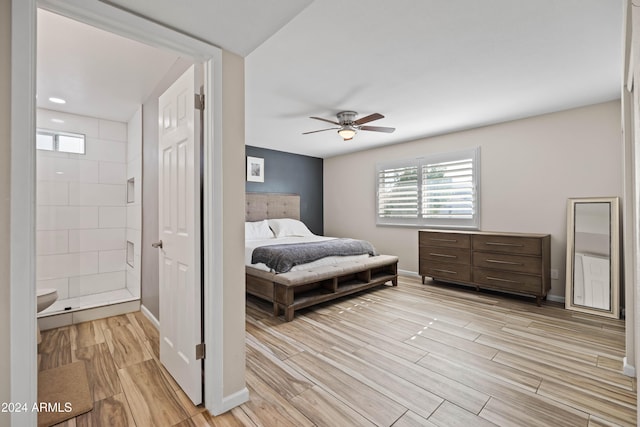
[
  {"x": 437, "y": 191},
  {"x": 398, "y": 192},
  {"x": 448, "y": 189}
]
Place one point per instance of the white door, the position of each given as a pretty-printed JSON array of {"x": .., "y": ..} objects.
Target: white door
[{"x": 179, "y": 231}]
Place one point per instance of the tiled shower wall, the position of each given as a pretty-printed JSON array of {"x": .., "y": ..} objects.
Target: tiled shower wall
[
  {"x": 81, "y": 223},
  {"x": 134, "y": 202}
]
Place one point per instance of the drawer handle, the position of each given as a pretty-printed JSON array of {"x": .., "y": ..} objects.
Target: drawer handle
[
  {"x": 445, "y": 271},
  {"x": 515, "y": 245},
  {"x": 443, "y": 240},
  {"x": 497, "y": 261},
  {"x": 443, "y": 255},
  {"x": 497, "y": 279}
]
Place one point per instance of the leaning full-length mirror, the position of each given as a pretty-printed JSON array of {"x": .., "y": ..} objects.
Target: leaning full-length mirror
[{"x": 593, "y": 257}]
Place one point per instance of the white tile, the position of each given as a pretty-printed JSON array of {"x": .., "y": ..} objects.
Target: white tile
[
  {"x": 138, "y": 192},
  {"x": 65, "y": 170},
  {"x": 52, "y": 322},
  {"x": 98, "y": 239},
  {"x": 46, "y": 155},
  {"x": 134, "y": 168},
  {"x": 134, "y": 136},
  {"x": 85, "y": 125},
  {"x": 66, "y": 217},
  {"x": 66, "y": 265},
  {"x": 50, "y": 193},
  {"x": 113, "y": 217},
  {"x": 105, "y": 151},
  {"x": 51, "y": 242},
  {"x": 96, "y": 194},
  {"x": 96, "y": 283},
  {"x": 113, "y": 261},
  {"x": 133, "y": 284},
  {"x": 114, "y": 131},
  {"x": 135, "y": 236},
  {"x": 113, "y": 173},
  {"x": 134, "y": 217},
  {"x": 106, "y": 311},
  {"x": 60, "y": 285}
]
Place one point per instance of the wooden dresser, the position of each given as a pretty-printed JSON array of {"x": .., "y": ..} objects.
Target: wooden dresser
[{"x": 510, "y": 262}]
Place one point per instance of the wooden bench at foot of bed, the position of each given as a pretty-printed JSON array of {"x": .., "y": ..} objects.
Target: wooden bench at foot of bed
[{"x": 299, "y": 289}]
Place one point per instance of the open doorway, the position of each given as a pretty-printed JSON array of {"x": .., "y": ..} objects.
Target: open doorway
[
  {"x": 102, "y": 89},
  {"x": 99, "y": 107},
  {"x": 224, "y": 373}
]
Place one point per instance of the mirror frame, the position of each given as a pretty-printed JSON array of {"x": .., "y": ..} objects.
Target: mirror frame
[{"x": 614, "y": 252}]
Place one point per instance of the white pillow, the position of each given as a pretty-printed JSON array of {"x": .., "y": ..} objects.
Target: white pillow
[
  {"x": 257, "y": 230},
  {"x": 284, "y": 227}
]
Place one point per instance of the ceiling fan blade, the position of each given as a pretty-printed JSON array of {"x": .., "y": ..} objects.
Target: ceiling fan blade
[
  {"x": 321, "y": 130},
  {"x": 378, "y": 129},
  {"x": 369, "y": 118},
  {"x": 325, "y": 120}
]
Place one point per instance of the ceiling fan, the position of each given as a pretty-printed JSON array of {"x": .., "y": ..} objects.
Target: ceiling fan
[{"x": 348, "y": 126}]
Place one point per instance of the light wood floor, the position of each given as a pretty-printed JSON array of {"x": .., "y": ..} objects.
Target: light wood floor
[{"x": 415, "y": 355}]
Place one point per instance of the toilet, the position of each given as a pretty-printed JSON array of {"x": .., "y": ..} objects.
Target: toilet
[{"x": 44, "y": 298}]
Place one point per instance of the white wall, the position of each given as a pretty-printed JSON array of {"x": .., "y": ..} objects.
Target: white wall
[
  {"x": 529, "y": 168},
  {"x": 233, "y": 219},
  {"x": 81, "y": 208},
  {"x": 5, "y": 193},
  {"x": 134, "y": 202}
]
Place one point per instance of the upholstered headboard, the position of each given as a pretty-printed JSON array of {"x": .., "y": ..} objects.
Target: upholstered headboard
[{"x": 272, "y": 205}]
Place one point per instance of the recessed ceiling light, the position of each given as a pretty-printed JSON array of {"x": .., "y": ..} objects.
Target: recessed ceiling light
[
  {"x": 57, "y": 100},
  {"x": 57, "y": 120}
]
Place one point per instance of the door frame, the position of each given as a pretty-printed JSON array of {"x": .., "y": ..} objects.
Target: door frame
[{"x": 23, "y": 356}]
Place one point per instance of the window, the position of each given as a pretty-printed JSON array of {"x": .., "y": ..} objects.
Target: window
[
  {"x": 439, "y": 190},
  {"x": 63, "y": 142}
]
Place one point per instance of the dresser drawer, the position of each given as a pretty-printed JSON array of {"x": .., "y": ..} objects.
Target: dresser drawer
[
  {"x": 507, "y": 244},
  {"x": 454, "y": 255},
  {"x": 508, "y": 281},
  {"x": 500, "y": 261},
  {"x": 448, "y": 240},
  {"x": 443, "y": 270}
]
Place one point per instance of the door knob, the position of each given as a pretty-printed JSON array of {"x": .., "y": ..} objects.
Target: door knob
[{"x": 157, "y": 244}]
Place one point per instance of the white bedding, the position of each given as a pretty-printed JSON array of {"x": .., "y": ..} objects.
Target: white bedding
[{"x": 250, "y": 245}]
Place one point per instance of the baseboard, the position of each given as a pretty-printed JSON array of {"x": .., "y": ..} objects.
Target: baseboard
[
  {"x": 231, "y": 401},
  {"x": 628, "y": 370},
  {"x": 555, "y": 298},
  {"x": 145, "y": 311},
  {"x": 408, "y": 273}
]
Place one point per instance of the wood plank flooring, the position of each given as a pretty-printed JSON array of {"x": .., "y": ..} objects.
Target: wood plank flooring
[{"x": 412, "y": 355}]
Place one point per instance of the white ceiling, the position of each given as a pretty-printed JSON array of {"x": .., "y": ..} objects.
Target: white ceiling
[
  {"x": 430, "y": 66},
  {"x": 99, "y": 74}
]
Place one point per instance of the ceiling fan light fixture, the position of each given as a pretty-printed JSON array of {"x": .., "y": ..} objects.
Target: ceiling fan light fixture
[{"x": 347, "y": 132}]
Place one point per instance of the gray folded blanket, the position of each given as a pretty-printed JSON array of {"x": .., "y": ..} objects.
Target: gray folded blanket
[{"x": 282, "y": 258}]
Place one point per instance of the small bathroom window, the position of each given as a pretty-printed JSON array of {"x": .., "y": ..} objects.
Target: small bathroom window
[
  {"x": 131, "y": 190},
  {"x": 63, "y": 142}
]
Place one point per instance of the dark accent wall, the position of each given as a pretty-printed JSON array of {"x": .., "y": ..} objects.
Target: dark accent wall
[{"x": 292, "y": 173}]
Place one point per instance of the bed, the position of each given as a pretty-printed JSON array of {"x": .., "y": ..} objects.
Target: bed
[{"x": 307, "y": 284}]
